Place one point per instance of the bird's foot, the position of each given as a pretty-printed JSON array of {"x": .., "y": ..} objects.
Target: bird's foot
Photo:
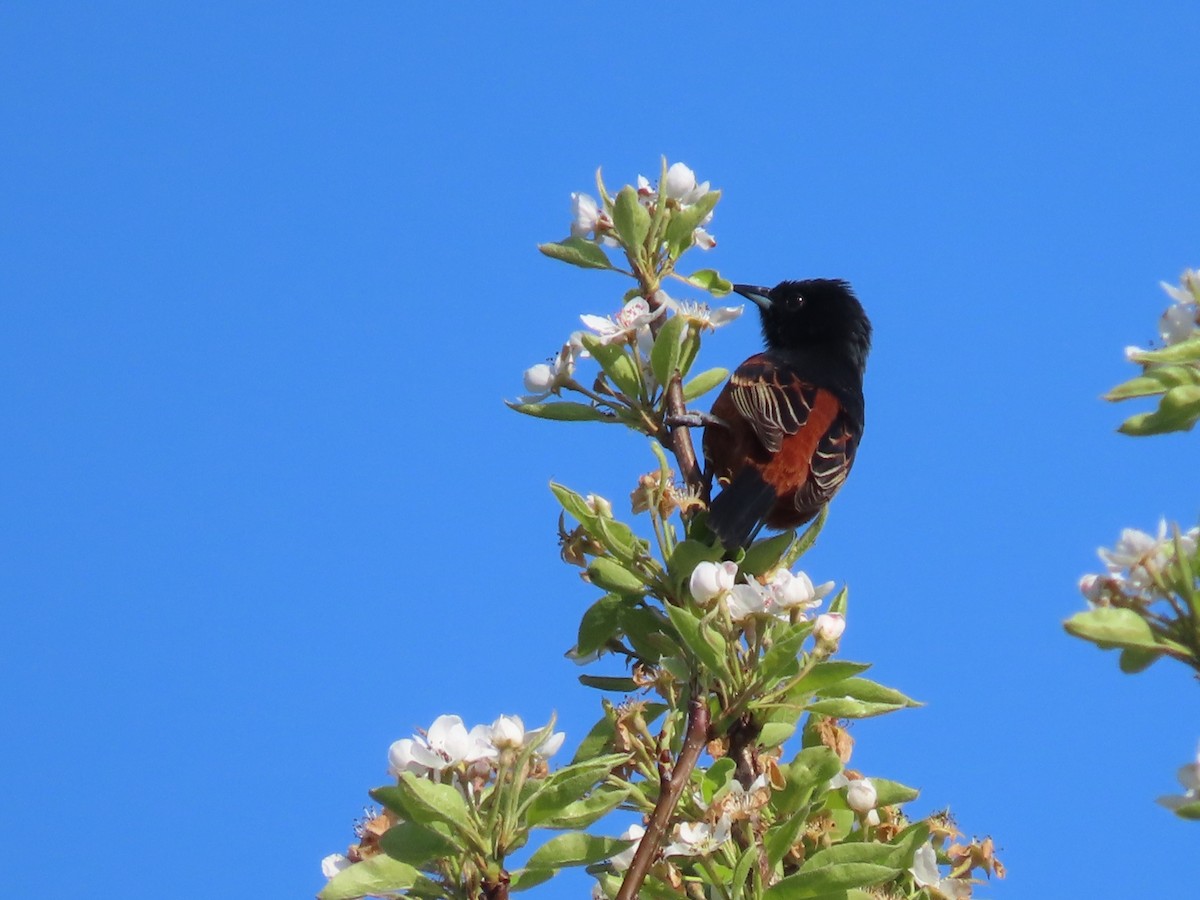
[{"x": 694, "y": 420}]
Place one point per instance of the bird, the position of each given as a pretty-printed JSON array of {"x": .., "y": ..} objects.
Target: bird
[{"x": 784, "y": 431}]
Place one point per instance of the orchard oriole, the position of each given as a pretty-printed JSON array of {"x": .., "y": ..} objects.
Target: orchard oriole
[{"x": 789, "y": 419}]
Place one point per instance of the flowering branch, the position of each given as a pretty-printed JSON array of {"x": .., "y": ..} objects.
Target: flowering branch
[
  {"x": 1147, "y": 601},
  {"x": 721, "y": 658}
]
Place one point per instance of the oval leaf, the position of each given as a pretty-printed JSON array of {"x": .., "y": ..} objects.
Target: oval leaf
[{"x": 578, "y": 252}]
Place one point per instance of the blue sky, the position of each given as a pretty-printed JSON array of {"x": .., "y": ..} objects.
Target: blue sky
[{"x": 269, "y": 269}]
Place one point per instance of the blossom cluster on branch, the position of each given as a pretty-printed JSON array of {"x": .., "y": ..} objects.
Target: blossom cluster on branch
[{"x": 1146, "y": 602}]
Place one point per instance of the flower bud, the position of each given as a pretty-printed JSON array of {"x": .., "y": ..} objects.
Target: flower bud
[
  {"x": 600, "y": 506},
  {"x": 861, "y": 796},
  {"x": 710, "y": 580},
  {"x": 828, "y": 627},
  {"x": 539, "y": 379},
  {"x": 680, "y": 181},
  {"x": 508, "y": 731}
]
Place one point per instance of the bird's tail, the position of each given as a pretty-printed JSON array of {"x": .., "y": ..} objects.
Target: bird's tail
[{"x": 739, "y": 510}]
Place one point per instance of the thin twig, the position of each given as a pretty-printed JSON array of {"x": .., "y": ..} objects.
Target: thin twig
[{"x": 670, "y": 791}]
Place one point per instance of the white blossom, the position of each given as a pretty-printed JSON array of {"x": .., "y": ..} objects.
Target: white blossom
[
  {"x": 710, "y": 580},
  {"x": 508, "y": 732},
  {"x": 550, "y": 377},
  {"x": 624, "y": 325},
  {"x": 700, "y": 313},
  {"x": 698, "y": 838},
  {"x": 861, "y": 795},
  {"x": 1179, "y": 322},
  {"x": 927, "y": 875},
  {"x": 448, "y": 743},
  {"x": 334, "y": 863},
  {"x": 401, "y": 759},
  {"x": 589, "y": 219},
  {"x": 795, "y": 590}
]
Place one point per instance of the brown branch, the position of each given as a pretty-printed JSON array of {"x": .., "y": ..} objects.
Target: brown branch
[
  {"x": 498, "y": 889},
  {"x": 681, "y": 436},
  {"x": 670, "y": 791}
]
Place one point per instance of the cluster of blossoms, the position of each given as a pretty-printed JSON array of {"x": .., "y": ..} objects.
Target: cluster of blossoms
[
  {"x": 785, "y": 595},
  {"x": 630, "y": 325},
  {"x": 1181, "y": 320},
  {"x": 448, "y": 752},
  {"x": 1139, "y": 567},
  {"x": 679, "y": 188},
  {"x": 447, "y": 746}
]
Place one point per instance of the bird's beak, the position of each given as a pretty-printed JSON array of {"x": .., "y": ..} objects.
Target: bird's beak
[{"x": 759, "y": 295}]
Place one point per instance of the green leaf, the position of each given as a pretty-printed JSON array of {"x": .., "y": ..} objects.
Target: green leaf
[
  {"x": 705, "y": 645},
  {"x": 1178, "y": 410},
  {"x": 782, "y": 835},
  {"x": 578, "y": 252},
  {"x": 838, "y": 603},
  {"x": 568, "y": 784},
  {"x": 806, "y": 540},
  {"x": 765, "y": 555},
  {"x": 1110, "y": 626},
  {"x": 685, "y": 221},
  {"x": 574, "y": 504},
  {"x": 664, "y": 356},
  {"x": 612, "y": 576},
  {"x": 1189, "y": 811},
  {"x": 574, "y": 849},
  {"x": 775, "y": 733},
  {"x": 632, "y": 221},
  {"x": 781, "y": 660},
  {"x": 811, "y": 883},
  {"x": 892, "y": 793},
  {"x": 616, "y": 363},
  {"x": 415, "y": 844},
  {"x": 711, "y": 281},
  {"x": 644, "y": 629},
  {"x": 848, "y": 708},
  {"x": 1184, "y": 351},
  {"x": 580, "y": 814},
  {"x": 810, "y": 770},
  {"x": 1156, "y": 380},
  {"x": 716, "y": 777},
  {"x": 600, "y": 624},
  {"x": 524, "y": 879},
  {"x": 620, "y": 685},
  {"x": 741, "y": 872},
  {"x": 598, "y": 739},
  {"x": 823, "y": 676},
  {"x": 617, "y": 537},
  {"x": 869, "y": 691},
  {"x": 379, "y": 874},
  {"x": 1138, "y": 659},
  {"x": 428, "y": 803},
  {"x": 850, "y": 865},
  {"x": 563, "y": 411},
  {"x": 704, "y": 382}
]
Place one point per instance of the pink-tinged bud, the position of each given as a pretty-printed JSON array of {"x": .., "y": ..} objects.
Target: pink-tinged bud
[
  {"x": 828, "y": 627},
  {"x": 861, "y": 796},
  {"x": 710, "y": 580}
]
